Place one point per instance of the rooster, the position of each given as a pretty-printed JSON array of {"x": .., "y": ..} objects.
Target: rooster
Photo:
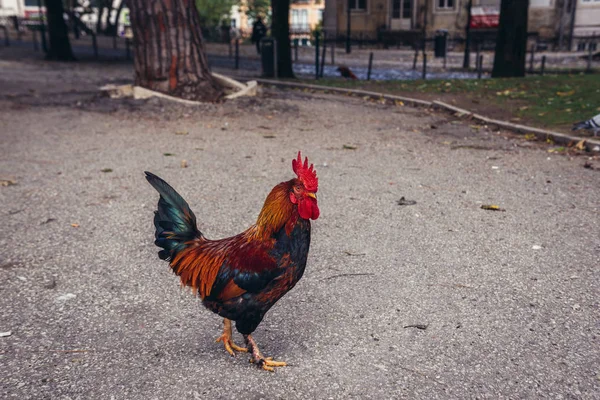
[
  {"x": 241, "y": 277},
  {"x": 346, "y": 72}
]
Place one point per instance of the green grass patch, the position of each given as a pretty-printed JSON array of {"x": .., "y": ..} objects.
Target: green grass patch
[{"x": 554, "y": 101}]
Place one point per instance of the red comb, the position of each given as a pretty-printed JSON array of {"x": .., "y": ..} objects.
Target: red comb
[{"x": 306, "y": 174}]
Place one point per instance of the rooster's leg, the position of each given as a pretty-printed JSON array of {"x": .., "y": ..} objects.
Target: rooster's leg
[
  {"x": 265, "y": 363},
  {"x": 227, "y": 341}
]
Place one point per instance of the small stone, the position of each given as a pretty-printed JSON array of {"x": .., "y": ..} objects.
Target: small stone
[{"x": 65, "y": 297}]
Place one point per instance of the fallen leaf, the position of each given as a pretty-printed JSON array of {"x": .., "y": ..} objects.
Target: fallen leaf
[
  {"x": 7, "y": 182},
  {"x": 269, "y": 136},
  {"x": 580, "y": 145},
  {"x": 181, "y": 133},
  {"x": 557, "y": 149},
  {"x": 168, "y": 154},
  {"x": 75, "y": 225},
  {"x": 349, "y": 253},
  {"x": 564, "y": 94},
  {"x": 405, "y": 202},
  {"x": 530, "y": 136},
  {"x": 399, "y": 103},
  {"x": 105, "y": 170},
  {"x": 349, "y": 147},
  {"x": 492, "y": 207},
  {"x": 418, "y": 326},
  {"x": 184, "y": 164},
  {"x": 588, "y": 165}
]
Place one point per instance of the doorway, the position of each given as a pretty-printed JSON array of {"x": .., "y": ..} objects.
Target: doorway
[{"x": 402, "y": 11}]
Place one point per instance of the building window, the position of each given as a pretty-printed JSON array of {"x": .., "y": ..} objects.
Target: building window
[
  {"x": 304, "y": 20},
  {"x": 401, "y": 8},
  {"x": 406, "y": 9},
  {"x": 396, "y": 9},
  {"x": 358, "y": 5},
  {"x": 299, "y": 20},
  {"x": 445, "y": 4},
  {"x": 540, "y": 3}
]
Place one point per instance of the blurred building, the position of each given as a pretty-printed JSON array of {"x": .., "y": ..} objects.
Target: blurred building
[
  {"x": 305, "y": 16},
  {"x": 569, "y": 22}
]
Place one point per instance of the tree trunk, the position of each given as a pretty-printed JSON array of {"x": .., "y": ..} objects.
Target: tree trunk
[
  {"x": 280, "y": 30},
  {"x": 169, "y": 50},
  {"x": 511, "y": 45},
  {"x": 60, "y": 46}
]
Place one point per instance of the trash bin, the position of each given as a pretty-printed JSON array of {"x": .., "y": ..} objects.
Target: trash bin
[
  {"x": 267, "y": 57},
  {"x": 440, "y": 43}
]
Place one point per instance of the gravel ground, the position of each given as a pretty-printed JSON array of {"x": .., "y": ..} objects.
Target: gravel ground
[{"x": 509, "y": 299}]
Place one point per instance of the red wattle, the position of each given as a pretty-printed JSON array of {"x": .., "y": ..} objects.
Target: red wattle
[{"x": 308, "y": 209}]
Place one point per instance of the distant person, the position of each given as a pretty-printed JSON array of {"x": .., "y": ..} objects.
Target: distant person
[{"x": 259, "y": 31}]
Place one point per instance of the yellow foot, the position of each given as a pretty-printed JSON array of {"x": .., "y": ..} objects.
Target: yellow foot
[
  {"x": 230, "y": 346},
  {"x": 268, "y": 364},
  {"x": 265, "y": 363},
  {"x": 226, "y": 339}
]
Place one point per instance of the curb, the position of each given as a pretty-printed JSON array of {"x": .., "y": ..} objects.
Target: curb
[
  {"x": 543, "y": 134},
  {"x": 408, "y": 100}
]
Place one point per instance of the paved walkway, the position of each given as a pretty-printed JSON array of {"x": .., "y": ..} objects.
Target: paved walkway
[{"x": 440, "y": 299}]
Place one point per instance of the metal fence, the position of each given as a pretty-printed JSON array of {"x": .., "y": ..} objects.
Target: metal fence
[{"x": 410, "y": 55}]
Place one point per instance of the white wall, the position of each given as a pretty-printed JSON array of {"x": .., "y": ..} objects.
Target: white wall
[
  {"x": 587, "y": 17},
  {"x": 9, "y": 8}
]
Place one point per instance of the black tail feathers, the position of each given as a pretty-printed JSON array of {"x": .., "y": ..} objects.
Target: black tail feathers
[{"x": 174, "y": 220}]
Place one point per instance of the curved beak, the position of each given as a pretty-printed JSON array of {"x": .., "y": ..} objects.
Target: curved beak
[{"x": 310, "y": 194}]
